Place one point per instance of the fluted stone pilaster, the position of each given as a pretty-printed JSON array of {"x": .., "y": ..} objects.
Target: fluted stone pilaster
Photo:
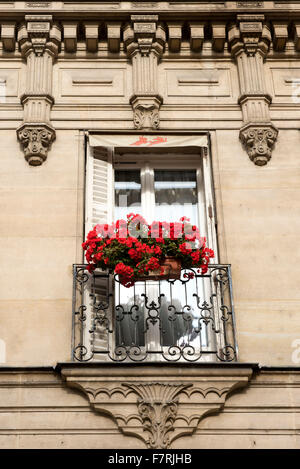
[
  {"x": 144, "y": 40},
  {"x": 249, "y": 39},
  {"x": 39, "y": 41}
]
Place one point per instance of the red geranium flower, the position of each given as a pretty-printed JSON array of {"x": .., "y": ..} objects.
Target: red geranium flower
[{"x": 128, "y": 253}]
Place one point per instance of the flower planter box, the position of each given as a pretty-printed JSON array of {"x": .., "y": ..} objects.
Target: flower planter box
[{"x": 171, "y": 271}]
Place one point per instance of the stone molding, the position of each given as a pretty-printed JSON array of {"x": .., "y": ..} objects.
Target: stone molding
[
  {"x": 249, "y": 40},
  {"x": 39, "y": 40},
  {"x": 156, "y": 404}
]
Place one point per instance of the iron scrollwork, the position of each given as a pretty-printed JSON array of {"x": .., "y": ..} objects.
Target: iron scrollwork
[{"x": 185, "y": 320}]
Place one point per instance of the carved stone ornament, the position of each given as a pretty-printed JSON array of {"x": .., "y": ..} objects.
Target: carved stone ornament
[
  {"x": 156, "y": 404},
  {"x": 36, "y": 141},
  {"x": 146, "y": 112},
  {"x": 39, "y": 40},
  {"x": 250, "y": 40},
  {"x": 144, "y": 40},
  {"x": 259, "y": 141},
  {"x": 157, "y": 407}
]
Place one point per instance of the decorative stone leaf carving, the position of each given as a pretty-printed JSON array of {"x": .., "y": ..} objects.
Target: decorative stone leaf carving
[{"x": 158, "y": 407}]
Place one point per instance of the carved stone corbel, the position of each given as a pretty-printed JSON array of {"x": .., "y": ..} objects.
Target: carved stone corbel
[
  {"x": 113, "y": 36},
  {"x": 156, "y": 404},
  {"x": 8, "y": 29},
  {"x": 91, "y": 36},
  {"x": 259, "y": 141},
  {"x": 196, "y": 35},
  {"x": 144, "y": 40},
  {"x": 249, "y": 40},
  {"x": 175, "y": 35},
  {"x": 280, "y": 34},
  {"x": 146, "y": 111},
  {"x": 39, "y": 40},
  {"x": 218, "y": 35}
]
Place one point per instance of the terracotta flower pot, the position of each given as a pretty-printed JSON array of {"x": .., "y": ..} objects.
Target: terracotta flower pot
[{"x": 172, "y": 270}]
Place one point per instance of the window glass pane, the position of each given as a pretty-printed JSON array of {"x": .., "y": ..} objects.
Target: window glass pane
[
  {"x": 175, "y": 195},
  {"x": 127, "y": 193}
]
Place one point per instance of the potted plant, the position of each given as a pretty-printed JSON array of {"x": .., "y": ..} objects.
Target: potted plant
[{"x": 136, "y": 251}]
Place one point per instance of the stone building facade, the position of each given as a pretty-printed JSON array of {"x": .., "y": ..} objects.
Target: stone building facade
[{"x": 203, "y": 88}]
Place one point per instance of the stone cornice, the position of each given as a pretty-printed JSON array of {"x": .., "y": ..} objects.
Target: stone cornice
[{"x": 85, "y": 21}]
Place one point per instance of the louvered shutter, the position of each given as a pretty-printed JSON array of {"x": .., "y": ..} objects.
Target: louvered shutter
[
  {"x": 98, "y": 209},
  {"x": 99, "y": 187}
]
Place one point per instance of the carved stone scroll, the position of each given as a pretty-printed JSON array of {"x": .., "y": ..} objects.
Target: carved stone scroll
[
  {"x": 144, "y": 40},
  {"x": 250, "y": 39},
  {"x": 39, "y": 40}
]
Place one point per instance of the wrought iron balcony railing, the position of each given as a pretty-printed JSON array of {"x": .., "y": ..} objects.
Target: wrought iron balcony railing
[{"x": 187, "y": 320}]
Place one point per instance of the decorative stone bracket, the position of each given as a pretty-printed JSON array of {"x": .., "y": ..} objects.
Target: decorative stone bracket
[
  {"x": 259, "y": 141},
  {"x": 36, "y": 141},
  {"x": 156, "y": 404},
  {"x": 249, "y": 40},
  {"x": 144, "y": 40},
  {"x": 39, "y": 42}
]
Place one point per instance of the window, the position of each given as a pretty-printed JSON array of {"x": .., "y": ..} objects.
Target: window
[
  {"x": 156, "y": 182},
  {"x": 161, "y": 194},
  {"x": 153, "y": 320}
]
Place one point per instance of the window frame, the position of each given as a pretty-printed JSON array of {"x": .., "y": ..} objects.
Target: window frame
[{"x": 199, "y": 160}]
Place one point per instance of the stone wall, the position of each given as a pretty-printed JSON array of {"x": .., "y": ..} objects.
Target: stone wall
[{"x": 227, "y": 68}]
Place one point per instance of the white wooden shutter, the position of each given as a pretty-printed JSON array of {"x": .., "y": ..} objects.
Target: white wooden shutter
[
  {"x": 99, "y": 187},
  {"x": 98, "y": 209}
]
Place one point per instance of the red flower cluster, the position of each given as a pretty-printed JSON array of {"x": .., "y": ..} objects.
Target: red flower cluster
[
  {"x": 132, "y": 248},
  {"x": 125, "y": 272}
]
